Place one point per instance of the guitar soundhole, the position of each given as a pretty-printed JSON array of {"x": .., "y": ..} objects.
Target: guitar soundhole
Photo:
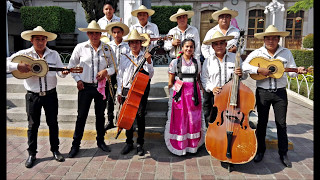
[
  {"x": 272, "y": 69},
  {"x": 36, "y": 68}
]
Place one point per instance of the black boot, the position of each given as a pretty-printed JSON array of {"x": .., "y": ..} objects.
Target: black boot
[
  {"x": 285, "y": 161},
  {"x": 29, "y": 162},
  {"x": 127, "y": 149}
]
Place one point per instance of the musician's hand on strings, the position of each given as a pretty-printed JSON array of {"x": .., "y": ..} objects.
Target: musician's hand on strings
[
  {"x": 216, "y": 90},
  {"x": 80, "y": 85},
  {"x": 148, "y": 57},
  {"x": 119, "y": 98},
  {"x": 302, "y": 70},
  {"x": 264, "y": 71},
  {"x": 233, "y": 49},
  {"x": 176, "y": 42},
  {"x": 102, "y": 74},
  {"x": 23, "y": 67},
  {"x": 238, "y": 71},
  {"x": 65, "y": 71}
]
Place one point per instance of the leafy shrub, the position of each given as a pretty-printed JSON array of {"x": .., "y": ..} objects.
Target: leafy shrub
[
  {"x": 308, "y": 41},
  {"x": 303, "y": 57},
  {"x": 162, "y": 15},
  {"x": 51, "y": 18}
]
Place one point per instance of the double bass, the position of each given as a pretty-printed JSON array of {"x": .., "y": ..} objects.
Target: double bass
[{"x": 229, "y": 138}]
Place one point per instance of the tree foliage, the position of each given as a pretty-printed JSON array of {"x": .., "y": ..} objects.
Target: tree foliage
[
  {"x": 301, "y": 5},
  {"x": 94, "y": 8}
]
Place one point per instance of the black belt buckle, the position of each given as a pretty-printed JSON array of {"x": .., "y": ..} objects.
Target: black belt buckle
[{"x": 42, "y": 93}]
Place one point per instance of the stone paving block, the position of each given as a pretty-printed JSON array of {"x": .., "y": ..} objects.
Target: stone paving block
[
  {"x": 54, "y": 177},
  {"x": 132, "y": 175},
  {"x": 147, "y": 176},
  {"x": 41, "y": 176},
  {"x": 177, "y": 175}
]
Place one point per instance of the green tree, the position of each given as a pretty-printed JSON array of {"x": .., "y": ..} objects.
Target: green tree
[
  {"x": 301, "y": 5},
  {"x": 93, "y": 8}
]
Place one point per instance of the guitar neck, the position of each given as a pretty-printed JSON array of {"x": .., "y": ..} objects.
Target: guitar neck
[
  {"x": 57, "y": 69},
  {"x": 290, "y": 69}
]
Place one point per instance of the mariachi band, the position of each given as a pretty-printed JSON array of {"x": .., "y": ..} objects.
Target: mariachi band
[{"x": 205, "y": 106}]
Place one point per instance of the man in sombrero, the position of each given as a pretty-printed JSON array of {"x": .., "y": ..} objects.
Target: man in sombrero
[
  {"x": 184, "y": 31},
  {"x": 95, "y": 58},
  {"x": 217, "y": 71},
  {"x": 127, "y": 66},
  {"x": 41, "y": 91},
  {"x": 144, "y": 26},
  {"x": 117, "y": 30},
  {"x": 272, "y": 91},
  {"x": 223, "y": 17}
]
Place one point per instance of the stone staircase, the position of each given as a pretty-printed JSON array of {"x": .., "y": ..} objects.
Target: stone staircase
[{"x": 67, "y": 95}]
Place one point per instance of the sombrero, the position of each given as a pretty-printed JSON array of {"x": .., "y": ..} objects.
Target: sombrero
[
  {"x": 142, "y": 8},
  {"x": 225, "y": 10},
  {"x": 93, "y": 26},
  {"x": 217, "y": 36},
  {"x": 271, "y": 31},
  {"x": 134, "y": 36},
  {"x": 117, "y": 24},
  {"x": 181, "y": 12},
  {"x": 26, "y": 35}
]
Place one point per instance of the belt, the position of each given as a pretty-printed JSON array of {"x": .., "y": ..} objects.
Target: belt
[
  {"x": 90, "y": 84},
  {"x": 272, "y": 90},
  {"x": 43, "y": 93}
]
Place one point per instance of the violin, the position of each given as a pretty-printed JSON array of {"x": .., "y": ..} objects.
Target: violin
[{"x": 229, "y": 138}]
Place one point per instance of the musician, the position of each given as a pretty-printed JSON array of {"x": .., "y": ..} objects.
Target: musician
[
  {"x": 126, "y": 69},
  {"x": 41, "y": 91},
  {"x": 94, "y": 57},
  {"x": 144, "y": 26},
  {"x": 272, "y": 91},
  {"x": 185, "y": 127},
  {"x": 223, "y": 17},
  {"x": 183, "y": 31},
  {"x": 117, "y": 30},
  {"x": 108, "y": 10},
  {"x": 216, "y": 71}
]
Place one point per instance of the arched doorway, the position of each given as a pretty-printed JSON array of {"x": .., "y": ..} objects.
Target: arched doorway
[{"x": 206, "y": 23}]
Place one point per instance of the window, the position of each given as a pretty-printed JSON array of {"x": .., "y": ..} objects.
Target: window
[
  {"x": 256, "y": 24},
  {"x": 294, "y": 24}
]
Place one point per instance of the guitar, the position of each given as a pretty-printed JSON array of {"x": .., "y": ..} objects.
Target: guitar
[
  {"x": 39, "y": 67},
  {"x": 275, "y": 66}
]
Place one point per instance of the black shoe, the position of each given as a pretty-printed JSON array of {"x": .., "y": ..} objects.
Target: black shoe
[
  {"x": 58, "y": 156},
  {"x": 29, "y": 162},
  {"x": 127, "y": 149},
  {"x": 140, "y": 150},
  {"x": 285, "y": 160},
  {"x": 259, "y": 157},
  {"x": 73, "y": 152},
  {"x": 109, "y": 126},
  {"x": 104, "y": 147}
]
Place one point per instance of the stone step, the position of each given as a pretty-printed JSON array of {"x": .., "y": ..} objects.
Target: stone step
[
  {"x": 18, "y": 114},
  {"x": 69, "y": 101}
]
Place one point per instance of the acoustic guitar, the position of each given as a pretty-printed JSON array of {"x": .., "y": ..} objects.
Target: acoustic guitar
[
  {"x": 275, "y": 66},
  {"x": 39, "y": 67}
]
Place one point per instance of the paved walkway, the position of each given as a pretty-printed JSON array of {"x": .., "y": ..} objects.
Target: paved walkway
[{"x": 159, "y": 163}]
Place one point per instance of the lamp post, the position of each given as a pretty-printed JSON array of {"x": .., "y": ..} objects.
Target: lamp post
[{"x": 273, "y": 7}]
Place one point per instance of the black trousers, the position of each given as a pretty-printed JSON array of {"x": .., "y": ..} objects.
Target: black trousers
[
  {"x": 85, "y": 97},
  {"x": 140, "y": 117},
  {"x": 209, "y": 111},
  {"x": 34, "y": 104},
  {"x": 279, "y": 102},
  {"x": 110, "y": 104}
]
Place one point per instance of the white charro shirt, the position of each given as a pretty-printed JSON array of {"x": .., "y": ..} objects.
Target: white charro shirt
[
  {"x": 49, "y": 81},
  {"x": 208, "y": 51},
  {"x": 191, "y": 32},
  {"x": 103, "y": 22},
  {"x": 150, "y": 28},
  {"x": 127, "y": 68},
  {"x": 282, "y": 54},
  {"x": 216, "y": 73},
  {"x": 122, "y": 48},
  {"x": 92, "y": 61}
]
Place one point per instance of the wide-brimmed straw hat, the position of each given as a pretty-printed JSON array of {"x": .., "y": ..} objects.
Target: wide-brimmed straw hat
[
  {"x": 181, "y": 12},
  {"x": 117, "y": 24},
  {"x": 217, "y": 36},
  {"x": 93, "y": 26},
  {"x": 135, "y": 36},
  {"x": 271, "y": 31},
  {"x": 38, "y": 31},
  {"x": 142, "y": 8},
  {"x": 225, "y": 10}
]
